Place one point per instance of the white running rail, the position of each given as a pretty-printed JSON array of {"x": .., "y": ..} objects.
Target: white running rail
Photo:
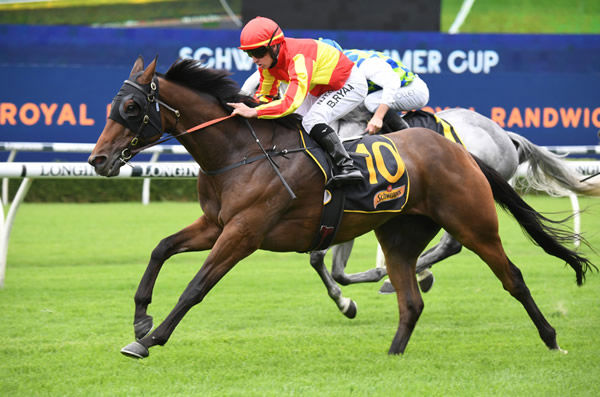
[
  {"x": 30, "y": 171},
  {"x": 63, "y": 147}
]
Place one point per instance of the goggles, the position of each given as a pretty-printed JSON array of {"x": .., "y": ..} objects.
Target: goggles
[{"x": 257, "y": 52}]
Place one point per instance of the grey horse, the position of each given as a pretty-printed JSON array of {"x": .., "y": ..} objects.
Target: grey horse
[{"x": 500, "y": 149}]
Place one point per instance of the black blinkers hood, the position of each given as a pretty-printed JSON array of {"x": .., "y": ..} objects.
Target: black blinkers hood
[{"x": 145, "y": 96}]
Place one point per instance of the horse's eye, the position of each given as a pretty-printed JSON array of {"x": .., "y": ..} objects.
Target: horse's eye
[{"x": 132, "y": 109}]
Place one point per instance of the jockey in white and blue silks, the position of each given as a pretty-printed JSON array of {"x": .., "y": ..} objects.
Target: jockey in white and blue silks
[{"x": 392, "y": 86}]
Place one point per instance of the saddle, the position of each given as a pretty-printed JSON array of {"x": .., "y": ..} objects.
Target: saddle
[{"x": 421, "y": 118}]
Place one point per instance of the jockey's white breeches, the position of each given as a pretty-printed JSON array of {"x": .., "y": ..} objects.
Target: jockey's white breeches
[
  {"x": 413, "y": 96},
  {"x": 333, "y": 105}
]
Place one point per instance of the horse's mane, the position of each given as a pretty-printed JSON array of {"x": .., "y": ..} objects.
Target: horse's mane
[{"x": 192, "y": 74}]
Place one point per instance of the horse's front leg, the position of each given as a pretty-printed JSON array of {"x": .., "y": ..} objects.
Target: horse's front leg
[
  {"x": 237, "y": 240},
  {"x": 200, "y": 235}
]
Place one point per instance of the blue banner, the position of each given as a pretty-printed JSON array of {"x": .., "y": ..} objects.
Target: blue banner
[{"x": 58, "y": 81}]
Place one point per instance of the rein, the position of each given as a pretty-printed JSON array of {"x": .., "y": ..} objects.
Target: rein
[{"x": 134, "y": 141}]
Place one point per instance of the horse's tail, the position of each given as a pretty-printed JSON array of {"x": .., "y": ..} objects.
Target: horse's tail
[
  {"x": 549, "y": 172},
  {"x": 538, "y": 227}
]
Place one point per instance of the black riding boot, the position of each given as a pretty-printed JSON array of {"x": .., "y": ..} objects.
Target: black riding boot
[
  {"x": 330, "y": 141},
  {"x": 394, "y": 121}
]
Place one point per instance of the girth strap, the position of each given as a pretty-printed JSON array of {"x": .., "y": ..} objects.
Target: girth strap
[{"x": 333, "y": 210}]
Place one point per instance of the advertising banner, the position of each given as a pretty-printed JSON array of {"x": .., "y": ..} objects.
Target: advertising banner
[{"x": 58, "y": 82}]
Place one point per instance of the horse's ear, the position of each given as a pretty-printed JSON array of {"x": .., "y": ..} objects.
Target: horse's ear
[
  {"x": 138, "y": 66},
  {"x": 148, "y": 74}
]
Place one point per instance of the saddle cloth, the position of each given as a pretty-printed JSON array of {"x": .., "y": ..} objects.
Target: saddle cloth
[{"x": 385, "y": 183}]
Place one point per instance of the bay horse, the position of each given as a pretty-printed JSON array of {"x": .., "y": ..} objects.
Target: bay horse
[{"x": 247, "y": 207}]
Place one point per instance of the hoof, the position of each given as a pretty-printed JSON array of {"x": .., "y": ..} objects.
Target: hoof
[
  {"x": 561, "y": 351},
  {"x": 426, "y": 280},
  {"x": 350, "y": 311},
  {"x": 387, "y": 288},
  {"x": 135, "y": 350},
  {"x": 143, "y": 327}
]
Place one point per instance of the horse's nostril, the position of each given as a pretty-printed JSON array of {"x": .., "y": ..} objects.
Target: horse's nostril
[{"x": 96, "y": 160}]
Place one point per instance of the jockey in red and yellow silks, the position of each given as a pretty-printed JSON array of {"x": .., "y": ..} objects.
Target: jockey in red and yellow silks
[
  {"x": 323, "y": 85},
  {"x": 308, "y": 66}
]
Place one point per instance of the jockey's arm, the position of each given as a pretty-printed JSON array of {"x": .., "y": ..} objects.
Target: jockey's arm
[
  {"x": 241, "y": 109},
  {"x": 376, "y": 123},
  {"x": 381, "y": 73},
  {"x": 300, "y": 75},
  {"x": 252, "y": 83}
]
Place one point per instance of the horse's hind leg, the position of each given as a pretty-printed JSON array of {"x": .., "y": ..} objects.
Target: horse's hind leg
[
  {"x": 513, "y": 282},
  {"x": 447, "y": 247},
  {"x": 200, "y": 235},
  {"x": 402, "y": 240},
  {"x": 340, "y": 254},
  {"x": 478, "y": 231},
  {"x": 346, "y": 305}
]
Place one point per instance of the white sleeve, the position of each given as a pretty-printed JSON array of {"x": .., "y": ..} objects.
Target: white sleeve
[
  {"x": 251, "y": 84},
  {"x": 381, "y": 73}
]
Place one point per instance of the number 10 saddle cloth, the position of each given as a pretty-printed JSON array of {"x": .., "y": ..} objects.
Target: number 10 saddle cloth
[
  {"x": 386, "y": 184},
  {"x": 384, "y": 188}
]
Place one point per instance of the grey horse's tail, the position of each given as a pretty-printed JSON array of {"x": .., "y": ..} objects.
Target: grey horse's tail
[{"x": 549, "y": 172}]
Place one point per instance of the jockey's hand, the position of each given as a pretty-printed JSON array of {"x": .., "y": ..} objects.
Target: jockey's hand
[
  {"x": 241, "y": 109},
  {"x": 374, "y": 125}
]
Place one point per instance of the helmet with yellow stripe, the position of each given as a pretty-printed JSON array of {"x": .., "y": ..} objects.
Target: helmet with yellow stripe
[{"x": 260, "y": 32}]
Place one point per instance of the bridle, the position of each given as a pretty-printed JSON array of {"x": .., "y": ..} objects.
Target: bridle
[
  {"x": 150, "y": 118},
  {"x": 148, "y": 124}
]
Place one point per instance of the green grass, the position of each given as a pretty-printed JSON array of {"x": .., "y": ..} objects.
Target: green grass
[
  {"x": 268, "y": 328},
  {"x": 88, "y": 12},
  {"x": 525, "y": 16}
]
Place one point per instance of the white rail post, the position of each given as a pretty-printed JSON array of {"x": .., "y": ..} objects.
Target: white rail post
[
  {"x": 7, "y": 226},
  {"x": 146, "y": 182},
  {"x": 5, "y": 198}
]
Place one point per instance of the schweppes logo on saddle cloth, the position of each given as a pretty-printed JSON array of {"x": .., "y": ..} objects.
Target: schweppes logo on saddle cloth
[{"x": 388, "y": 194}]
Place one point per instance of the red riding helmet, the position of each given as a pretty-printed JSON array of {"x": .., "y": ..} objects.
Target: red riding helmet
[{"x": 260, "y": 32}]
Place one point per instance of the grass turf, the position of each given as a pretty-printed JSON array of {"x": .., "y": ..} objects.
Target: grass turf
[{"x": 268, "y": 328}]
